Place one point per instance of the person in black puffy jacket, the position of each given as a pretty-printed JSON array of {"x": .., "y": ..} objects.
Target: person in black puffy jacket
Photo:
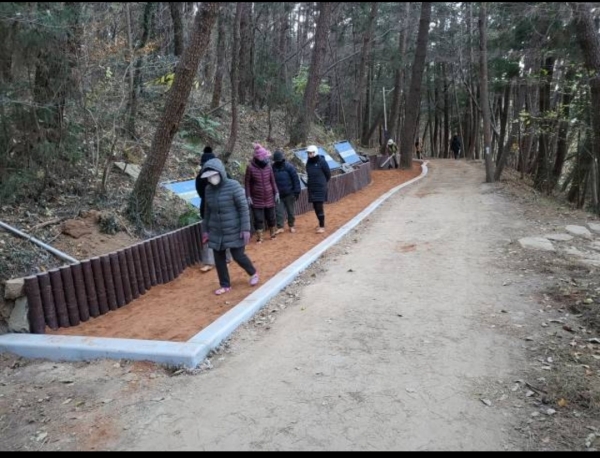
[
  {"x": 288, "y": 184},
  {"x": 318, "y": 174}
]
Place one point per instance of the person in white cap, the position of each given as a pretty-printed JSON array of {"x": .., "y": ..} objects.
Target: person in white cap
[
  {"x": 392, "y": 150},
  {"x": 318, "y": 174},
  {"x": 226, "y": 223}
]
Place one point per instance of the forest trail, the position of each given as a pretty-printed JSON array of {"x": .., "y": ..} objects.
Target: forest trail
[{"x": 386, "y": 350}]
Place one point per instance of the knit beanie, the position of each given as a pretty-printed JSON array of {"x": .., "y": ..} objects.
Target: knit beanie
[{"x": 260, "y": 152}]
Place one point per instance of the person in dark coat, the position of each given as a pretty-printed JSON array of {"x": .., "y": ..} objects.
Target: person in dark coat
[
  {"x": 288, "y": 184},
  {"x": 318, "y": 174},
  {"x": 206, "y": 253},
  {"x": 261, "y": 191},
  {"x": 207, "y": 155},
  {"x": 227, "y": 223},
  {"x": 455, "y": 146}
]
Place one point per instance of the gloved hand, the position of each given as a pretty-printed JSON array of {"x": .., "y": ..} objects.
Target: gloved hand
[
  {"x": 297, "y": 196},
  {"x": 204, "y": 237},
  {"x": 250, "y": 201},
  {"x": 277, "y": 199},
  {"x": 246, "y": 236}
]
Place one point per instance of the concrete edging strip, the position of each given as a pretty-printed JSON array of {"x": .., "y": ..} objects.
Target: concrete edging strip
[{"x": 192, "y": 352}]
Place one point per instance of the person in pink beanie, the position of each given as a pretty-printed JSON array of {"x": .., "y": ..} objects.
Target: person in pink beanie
[{"x": 261, "y": 192}]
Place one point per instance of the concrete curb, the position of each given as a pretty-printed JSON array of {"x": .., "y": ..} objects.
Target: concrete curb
[{"x": 192, "y": 352}]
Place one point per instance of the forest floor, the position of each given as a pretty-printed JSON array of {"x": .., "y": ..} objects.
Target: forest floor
[{"x": 426, "y": 328}]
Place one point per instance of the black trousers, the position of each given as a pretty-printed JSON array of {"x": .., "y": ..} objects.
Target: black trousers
[
  {"x": 320, "y": 212},
  {"x": 260, "y": 214},
  {"x": 239, "y": 255}
]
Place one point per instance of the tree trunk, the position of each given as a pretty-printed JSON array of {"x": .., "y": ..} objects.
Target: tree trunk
[
  {"x": 400, "y": 71},
  {"x": 235, "y": 82},
  {"x": 140, "y": 201},
  {"x": 514, "y": 131},
  {"x": 543, "y": 172},
  {"x": 563, "y": 128},
  {"x": 407, "y": 141},
  {"x": 6, "y": 50},
  {"x": 220, "y": 68},
  {"x": 446, "y": 110},
  {"x": 137, "y": 73},
  {"x": 474, "y": 113},
  {"x": 177, "y": 28},
  {"x": 299, "y": 131},
  {"x": 359, "y": 90},
  {"x": 483, "y": 100},
  {"x": 589, "y": 41},
  {"x": 580, "y": 173},
  {"x": 246, "y": 53},
  {"x": 436, "y": 124},
  {"x": 368, "y": 114},
  {"x": 504, "y": 119},
  {"x": 55, "y": 71}
]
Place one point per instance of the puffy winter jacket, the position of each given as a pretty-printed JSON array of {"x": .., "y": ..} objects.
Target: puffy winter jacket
[
  {"x": 318, "y": 174},
  {"x": 260, "y": 185},
  {"x": 286, "y": 178},
  {"x": 226, "y": 211}
]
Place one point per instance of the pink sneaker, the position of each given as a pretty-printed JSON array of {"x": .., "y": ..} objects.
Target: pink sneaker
[
  {"x": 222, "y": 290},
  {"x": 254, "y": 279}
]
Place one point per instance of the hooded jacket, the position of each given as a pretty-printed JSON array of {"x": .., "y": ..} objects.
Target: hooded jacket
[
  {"x": 226, "y": 212},
  {"x": 287, "y": 179}
]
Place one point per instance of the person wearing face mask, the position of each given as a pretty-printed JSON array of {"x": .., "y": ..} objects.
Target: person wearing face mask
[
  {"x": 318, "y": 174},
  {"x": 226, "y": 223},
  {"x": 206, "y": 254},
  {"x": 262, "y": 193}
]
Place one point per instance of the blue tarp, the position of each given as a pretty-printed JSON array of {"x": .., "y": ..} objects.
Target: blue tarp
[
  {"x": 303, "y": 156},
  {"x": 186, "y": 190},
  {"x": 347, "y": 153}
]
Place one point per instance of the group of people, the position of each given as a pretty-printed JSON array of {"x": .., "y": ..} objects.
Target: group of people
[
  {"x": 271, "y": 189},
  {"x": 393, "y": 157}
]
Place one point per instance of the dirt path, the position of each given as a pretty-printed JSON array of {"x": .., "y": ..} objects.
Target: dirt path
[{"x": 392, "y": 355}]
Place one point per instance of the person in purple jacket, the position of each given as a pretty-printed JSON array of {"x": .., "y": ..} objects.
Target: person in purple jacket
[{"x": 261, "y": 192}]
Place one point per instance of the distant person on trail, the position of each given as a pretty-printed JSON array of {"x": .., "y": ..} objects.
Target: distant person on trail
[
  {"x": 227, "y": 223},
  {"x": 318, "y": 174},
  {"x": 288, "y": 184},
  {"x": 261, "y": 191},
  {"x": 391, "y": 149},
  {"x": 455, "y": 146},
  {"x": 418, "y": 149}
]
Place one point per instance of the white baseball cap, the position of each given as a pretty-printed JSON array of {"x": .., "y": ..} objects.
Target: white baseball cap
[
  {"x": 390, "y": 142},
  {"x": 311, "y": 149}
]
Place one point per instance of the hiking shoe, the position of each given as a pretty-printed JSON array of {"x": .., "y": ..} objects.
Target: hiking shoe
[
  {"x": 254, "y": 279},
  {"x": 320, "y": 230},
  {"x": 222, "y": 290},
  {"x": 292, "y": 229},
  {"x": 279, "y": 230}
]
